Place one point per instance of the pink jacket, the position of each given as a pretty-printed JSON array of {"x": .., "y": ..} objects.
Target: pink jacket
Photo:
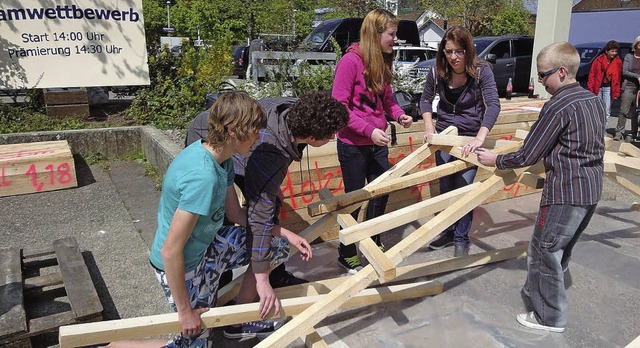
[{"x": 366, "y": 109}]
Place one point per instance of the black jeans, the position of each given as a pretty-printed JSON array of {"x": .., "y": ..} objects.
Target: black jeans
[{"x": 360, "y": 164}]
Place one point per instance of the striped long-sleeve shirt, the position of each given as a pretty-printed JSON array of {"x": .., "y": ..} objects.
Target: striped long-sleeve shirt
[{"x": 569, "y": 135}]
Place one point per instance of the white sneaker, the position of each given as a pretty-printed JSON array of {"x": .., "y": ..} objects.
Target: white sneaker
[{"x": 529, "y": 320}]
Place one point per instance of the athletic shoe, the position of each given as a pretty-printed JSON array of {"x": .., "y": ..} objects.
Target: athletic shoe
[
  {"x": 259, "y": 329},
  {"x": 443, "y": 240},
  {"x": 529, "y": 320},
  {"x": 351, "y": 264}
]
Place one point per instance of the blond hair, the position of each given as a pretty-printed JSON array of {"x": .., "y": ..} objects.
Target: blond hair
[
  {"x": 237, "y": 111},
  {"x": 561, "y": 54},
  {"x": 377, "y": 64}
]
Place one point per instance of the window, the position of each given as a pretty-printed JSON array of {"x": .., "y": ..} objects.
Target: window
[
  {"x": 501, "y": 50},
  {"x": 522, "y": 47}
]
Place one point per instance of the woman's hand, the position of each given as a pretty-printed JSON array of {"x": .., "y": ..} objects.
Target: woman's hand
[
  {"x": 471, "y": 146},
  {"x": 405, "y": 121},
  {"x": 428, "y": 129},
  {"x": 380, "y": 138}
]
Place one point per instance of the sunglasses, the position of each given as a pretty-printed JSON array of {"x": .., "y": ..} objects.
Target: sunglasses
[
  {"x": 542, "y": 75},
  {"x": 457, "y": 53}
]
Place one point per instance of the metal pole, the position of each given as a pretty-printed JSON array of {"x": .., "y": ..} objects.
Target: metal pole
[{"x": 168, "y": 18}]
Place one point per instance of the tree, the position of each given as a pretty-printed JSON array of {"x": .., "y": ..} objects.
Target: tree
[{"x": 480, "y": 16}]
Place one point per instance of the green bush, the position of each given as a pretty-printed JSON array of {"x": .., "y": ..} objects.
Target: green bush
[{"x": 179, "y": 84}]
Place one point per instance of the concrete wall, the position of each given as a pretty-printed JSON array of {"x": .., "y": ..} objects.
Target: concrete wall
[{"x": 158, "y": 148}]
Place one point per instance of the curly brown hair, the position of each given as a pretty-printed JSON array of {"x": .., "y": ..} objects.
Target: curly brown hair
[
  {"x": 237, "y": 111},
  {"x": 317, "y": 115}
]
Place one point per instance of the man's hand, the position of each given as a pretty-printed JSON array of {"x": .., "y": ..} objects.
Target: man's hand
[
  {"x": 190, "y": 320},
  {"x": 486, "y": 157},
  {"x": 380, "y": 138},
  {"x": 405, "y": 121},
  {"x": 268, "y": 298}
]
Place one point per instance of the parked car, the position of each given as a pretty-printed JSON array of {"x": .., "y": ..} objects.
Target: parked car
[
  {"x": 405, "y": 56},
  {"x": 510, "y": 56},
  {"x": 346, "y": 31},
  {"x": 588, "y": 53},
  {"x": 240, "y": 61}
]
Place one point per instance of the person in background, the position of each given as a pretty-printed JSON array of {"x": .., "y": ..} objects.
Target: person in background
[
  {"x": 468, "y": 101},
  {"x": 630, "y": 87},
  {"x": 605, "y": 75},
  {"x": 569, "y": 138},
  {"x": 362, "y": 83}
]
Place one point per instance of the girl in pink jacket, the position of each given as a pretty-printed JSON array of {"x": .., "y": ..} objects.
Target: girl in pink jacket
[{"x": 363, "y": 84}]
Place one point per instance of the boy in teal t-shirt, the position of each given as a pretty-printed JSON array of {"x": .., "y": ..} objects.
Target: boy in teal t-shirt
[{"x": 191, "y": 247}]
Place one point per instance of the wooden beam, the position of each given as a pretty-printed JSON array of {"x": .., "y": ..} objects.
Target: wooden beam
[
  {"x": 458, "y": 140},
  {"x": 354, "y": 284},
  {"x": 376, "y": 257},
  {"x": 125, "y": 329},
  {"x": 624, "y": 182},
  {"x": 391, "y": 185},
  {"x": 635, "y": 206},
  {"x": 625, "y": 163},
  {"x": 532, "y": 180},
  {"x": 629, "y": 149},
  {"x": 314, "y": 340},
  {"x": 634, "y": 344},
  {"x": 402, "y": 216},
  {"x": 13, "y": 318}
]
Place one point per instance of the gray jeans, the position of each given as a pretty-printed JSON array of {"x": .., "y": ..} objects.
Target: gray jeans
[
  {"x": 556, "y": 231},
  {"x": 628, "y": 110}
]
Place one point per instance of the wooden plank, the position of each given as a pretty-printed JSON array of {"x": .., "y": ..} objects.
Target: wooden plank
[
  {"x": 123, "y": 329},
  {"x": 366, "y": 229},
  {"x": 77, "y": 281},
  {"x": 13, "y": 319},
  {"x": 629, "y": 149},
  {"x": 380, "y": 262},
  {"x": 407, "y": 246},
  {"x": 624, "y": 182},
  {"x": 33, "y": 252},
  {"x": 314, "y": 340},
  {"x": 60, "y": 96},
  {"x": 36, "y": 167},
  {"x": 458, "y": 140},
  {"x": 71, "y": 110},
  {"x": 42, "y": 281},
  {"x": 385, "y": 187},
  {"x": 623, "y": 163},
  {"x": 634, "y": 344}
]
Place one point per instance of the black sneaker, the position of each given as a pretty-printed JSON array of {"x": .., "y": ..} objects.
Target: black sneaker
[
  {"x": 282, "y": 278},
  {"x": 259, "y": 329},
  {"x": 351, "y": 264},
  {"x": 460, "y": 250},
  {"x": 443, "y": 240}
]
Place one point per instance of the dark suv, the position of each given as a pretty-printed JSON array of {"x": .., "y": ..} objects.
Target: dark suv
[{"x": 510, "y": 55}]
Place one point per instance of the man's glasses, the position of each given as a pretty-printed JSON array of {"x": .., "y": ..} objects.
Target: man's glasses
[
  {"x": 457, "y": 53},
  {"x": 542, "y": 75}
]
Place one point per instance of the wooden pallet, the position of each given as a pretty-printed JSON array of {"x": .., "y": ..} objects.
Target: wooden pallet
[{"x": 24, "y": 281}]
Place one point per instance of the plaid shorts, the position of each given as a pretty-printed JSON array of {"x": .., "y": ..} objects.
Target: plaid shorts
[{"x": 227, "y": 251}]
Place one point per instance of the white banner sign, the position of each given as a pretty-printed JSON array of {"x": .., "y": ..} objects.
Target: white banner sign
[{"x": 72, "y": 43}]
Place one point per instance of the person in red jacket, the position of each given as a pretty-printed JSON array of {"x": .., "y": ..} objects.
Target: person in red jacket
[{"x": 606, "y": 74}]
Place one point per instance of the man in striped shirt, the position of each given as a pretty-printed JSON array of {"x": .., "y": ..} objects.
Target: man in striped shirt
[{"x": 569, "y": 136}]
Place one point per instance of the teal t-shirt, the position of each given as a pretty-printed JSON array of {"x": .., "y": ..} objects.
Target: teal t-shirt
[{"x": 196, "y": 183}]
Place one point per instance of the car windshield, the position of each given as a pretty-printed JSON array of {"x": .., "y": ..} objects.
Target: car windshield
[
  {"x": 587, "y": 54},
  {"x": 481, "y": 44},
  {"x": 414, "y": 55},
  {"x": 317, "y": 37}
]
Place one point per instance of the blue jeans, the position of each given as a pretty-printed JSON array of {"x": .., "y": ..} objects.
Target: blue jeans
[
  {"x": 605, "y": 94},
  {"x": 360, "y": 164},
  {"x": 451, "y": 182},
  {"x": 556, "y": 232}
]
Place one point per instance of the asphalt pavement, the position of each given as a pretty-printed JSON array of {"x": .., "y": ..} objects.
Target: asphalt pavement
[{"x": 112, "y": 214}]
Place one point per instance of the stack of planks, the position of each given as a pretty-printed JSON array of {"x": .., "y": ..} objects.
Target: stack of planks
[{"x": 36, "y": 167}]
